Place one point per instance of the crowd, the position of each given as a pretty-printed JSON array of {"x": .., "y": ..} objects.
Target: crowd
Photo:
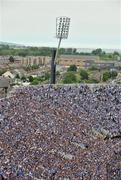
[{"x": 61, "y": 132}]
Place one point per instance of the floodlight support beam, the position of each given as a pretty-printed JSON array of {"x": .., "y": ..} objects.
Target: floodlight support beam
[
  {"x": 61, "y": 34},
  {"x": 53, "y": 67},
  {"x": 56, "y": 56}
]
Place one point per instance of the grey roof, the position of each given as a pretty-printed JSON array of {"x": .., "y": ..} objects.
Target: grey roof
[
  {"x": 4, "y": 82},
  {"x": 85, "y": 57}
]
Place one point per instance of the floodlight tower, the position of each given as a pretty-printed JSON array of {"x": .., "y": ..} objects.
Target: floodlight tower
[{"x": 62, "y": 30}]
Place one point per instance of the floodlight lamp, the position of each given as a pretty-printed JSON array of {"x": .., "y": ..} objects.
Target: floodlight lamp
[{"x": 62, "y": 27}]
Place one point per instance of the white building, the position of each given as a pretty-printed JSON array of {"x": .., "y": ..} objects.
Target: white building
[{"x": 8, "y": 74}]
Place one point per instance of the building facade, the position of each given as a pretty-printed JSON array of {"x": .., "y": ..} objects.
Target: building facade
[
  {"x": 78, "y": 60},
  {"x": 35, "y": 60},
  {"x": 28, "y": 60},
  {"x": 99, "y": 64},
  {"x": 87, "y": 61}
]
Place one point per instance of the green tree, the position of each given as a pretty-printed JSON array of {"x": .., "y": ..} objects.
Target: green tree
[
  {"x": 57, "y": 73},
  {"x": 93, "y": 67},
  {"x": 113, "y": 74},
  {"x": 69, "y": 78},
  {"x": 22, "y": 53},
  {"x": 34, "y": 66},
  {"x": 11, "y": 59},
  {"x": 72, "y": 68},
  {"x": 69, "y": 51},
  {"x": 47, "y": 76},
  {"x": 30, "y": 78},
  {"x": 62, "y": 51},
  {"x": 23, "y": 78},
  {"x": 97, "y": 51},
  {"x": 35, "y": 82},
  {"x": 27, "y": 68},
  {"x": 74, "y": 51},
  {"x": 110, "y": 56},
  {"x": 106, "y": 75},
  {"x": 116, "y": 53},
  {"x": 17, "y": 76},
  {"x": 84, "y": 74}
]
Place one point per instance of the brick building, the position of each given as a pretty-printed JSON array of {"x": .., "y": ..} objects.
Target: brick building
[{"x": 67, "y": 60}]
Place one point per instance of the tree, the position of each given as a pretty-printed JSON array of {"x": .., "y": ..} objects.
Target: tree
[
  {"x": 97, "y": 51},
  {"x": 84, "y": 74},
  {"x": 34, "y": 66},
  {"x": 69, "y": 51},
  {"x": 62, "y": 51},
  {"x": 11, "y": 59},
  {"x": 23, "y": 78},
  {"x": 103, "y": 53},
  {"x": 47, "y": 76},
  {"x": 69, "y": 78},
  {"x": 109, "y": 74},
  {"x": 17, "y": 76},
  {"x": 27, "y": 68},
  {"x": 35, "y": 82},
  {"x": 113, "y": 74},
  {"x": 106, "y": 76},
  {"x": 116, "y": 53},
  {"x": 30, "y": 78},
  {"x": 23, "y": 53},
  {"x": 74, "y": 51},
  {"x": 72, "y": 68},
  {"x": 57, "y": 73},
  {"x": 93, "y": 67},
  {"x": 110, "y": 56}
]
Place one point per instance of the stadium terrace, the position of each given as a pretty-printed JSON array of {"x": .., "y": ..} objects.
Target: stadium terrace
[{"x": 61, "y": 132}]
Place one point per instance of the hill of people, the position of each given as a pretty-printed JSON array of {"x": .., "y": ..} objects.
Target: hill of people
[{"x": 61, "y": 132}]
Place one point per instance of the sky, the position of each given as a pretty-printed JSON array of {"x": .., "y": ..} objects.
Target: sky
[{"x": 94, "y": 23}]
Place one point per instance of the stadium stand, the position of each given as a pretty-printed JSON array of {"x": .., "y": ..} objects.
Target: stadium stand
[{"x": 61, "y": 132}]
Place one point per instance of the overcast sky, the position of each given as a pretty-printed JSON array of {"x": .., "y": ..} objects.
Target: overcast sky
[{"x": 94, "y": 23}]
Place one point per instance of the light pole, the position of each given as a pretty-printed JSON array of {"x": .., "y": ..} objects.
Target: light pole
[{"x": 62, "y": 30}]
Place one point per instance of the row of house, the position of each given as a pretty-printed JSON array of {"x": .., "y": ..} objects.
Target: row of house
[
  {"x": 28, "y": 60},
  {"x": 64, "y": 60},
  {"x": 35, "y": 60},
  {"x": 87, "y": 62}
]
